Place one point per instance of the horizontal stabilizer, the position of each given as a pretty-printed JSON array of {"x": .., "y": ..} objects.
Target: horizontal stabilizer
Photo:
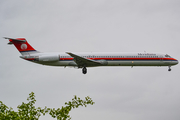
[{"x": 15, "y": 39}]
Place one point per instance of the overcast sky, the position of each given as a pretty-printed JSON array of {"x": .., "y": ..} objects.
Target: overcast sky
[{"x": 123, "y": 93}]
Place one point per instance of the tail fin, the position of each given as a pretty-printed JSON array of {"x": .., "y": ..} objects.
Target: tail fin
[{"x": 22, "y": 45}]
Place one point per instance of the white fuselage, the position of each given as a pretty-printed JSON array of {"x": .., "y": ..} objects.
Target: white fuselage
[{"x": 106, "y": 59}]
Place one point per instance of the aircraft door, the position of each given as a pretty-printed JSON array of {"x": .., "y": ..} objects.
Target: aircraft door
[{"x": 161, "y": 58}]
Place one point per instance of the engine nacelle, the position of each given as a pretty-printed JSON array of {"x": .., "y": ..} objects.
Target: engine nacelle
[
  {"x": 48, "y": 58},
  {"x": 103, "y": 62}
]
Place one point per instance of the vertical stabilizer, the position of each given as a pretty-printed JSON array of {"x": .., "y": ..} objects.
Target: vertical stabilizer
[{"x": 22, "y": 45}]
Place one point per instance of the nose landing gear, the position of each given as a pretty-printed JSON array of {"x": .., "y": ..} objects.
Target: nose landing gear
[
  {"x": 84, "y": 70},
  {"x": 169, "y": 68}
]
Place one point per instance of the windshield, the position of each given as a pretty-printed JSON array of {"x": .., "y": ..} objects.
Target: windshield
[{"x": 167, "y": 56}]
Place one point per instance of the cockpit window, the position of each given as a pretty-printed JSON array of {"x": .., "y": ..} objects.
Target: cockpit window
[{"x": 167, "y": 56}]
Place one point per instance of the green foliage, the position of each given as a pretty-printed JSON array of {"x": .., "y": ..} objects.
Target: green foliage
[{"x": 27, "y": 111}]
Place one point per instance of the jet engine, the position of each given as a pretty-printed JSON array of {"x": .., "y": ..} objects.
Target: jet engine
[
  {"x": 48, "y": 58},
  {"x": 103, "y": 62}
]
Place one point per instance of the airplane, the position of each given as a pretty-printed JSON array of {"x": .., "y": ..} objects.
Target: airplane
[{"x": 84, "y": 60}]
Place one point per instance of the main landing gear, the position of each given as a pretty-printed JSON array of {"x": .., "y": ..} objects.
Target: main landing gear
[
  {"x": 84, "y": 70},
  {"x": 169, "y": 68}
]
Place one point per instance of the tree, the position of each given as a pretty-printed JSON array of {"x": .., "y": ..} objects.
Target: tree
[{"x": 28, "y": 111}]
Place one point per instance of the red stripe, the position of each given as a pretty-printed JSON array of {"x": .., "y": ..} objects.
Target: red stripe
[
  {"x": 123, "y": 58},
  {"x": 29, "y": 58},
  {"x": 66, "y": 58}
]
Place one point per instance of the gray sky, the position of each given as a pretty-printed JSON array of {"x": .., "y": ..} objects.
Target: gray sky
[{"x": 93, "y": 26}]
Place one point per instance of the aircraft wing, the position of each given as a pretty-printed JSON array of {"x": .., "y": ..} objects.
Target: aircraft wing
[{"x": 83, "y": 62}]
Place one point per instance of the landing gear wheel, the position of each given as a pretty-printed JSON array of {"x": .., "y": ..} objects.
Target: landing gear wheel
[
  {"x": 169, "y": 68},
  {"x": 84, "y": 70}
]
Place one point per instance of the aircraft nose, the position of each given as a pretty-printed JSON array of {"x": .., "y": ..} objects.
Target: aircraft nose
[{"x": 177, "y": 62}]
